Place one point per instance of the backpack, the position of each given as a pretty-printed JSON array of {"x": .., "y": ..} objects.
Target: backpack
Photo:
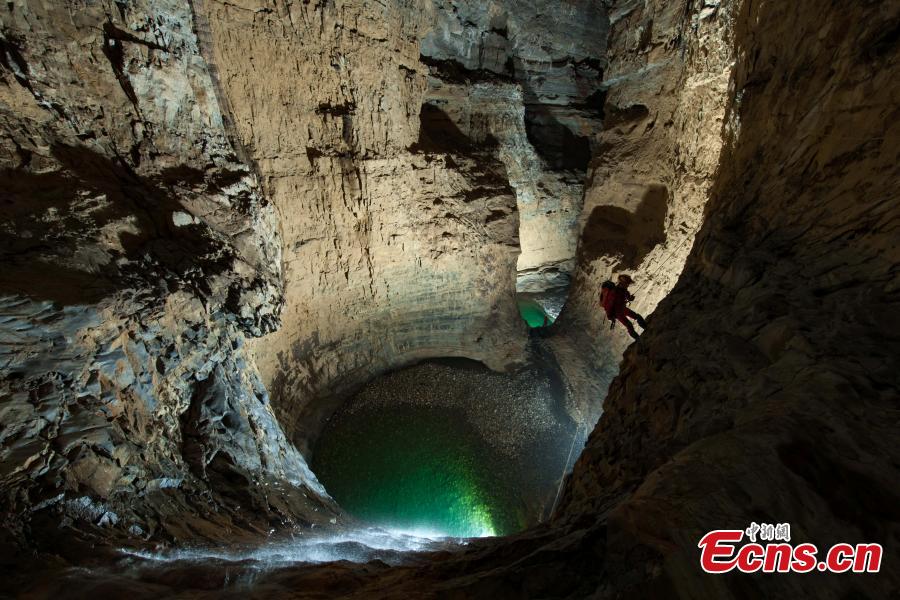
[
  {"x": 608, "y": 298},
  {"x": 605, "y": 288}
]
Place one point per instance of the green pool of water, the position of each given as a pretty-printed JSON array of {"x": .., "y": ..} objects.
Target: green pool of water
[
  {"x": 415, "y": 468},
  {"x": 533, "y": 313}
]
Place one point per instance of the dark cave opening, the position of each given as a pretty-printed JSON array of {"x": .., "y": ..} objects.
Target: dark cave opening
[{"x": 540, "y": 308}]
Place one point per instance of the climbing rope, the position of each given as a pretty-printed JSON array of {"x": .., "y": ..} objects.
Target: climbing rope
[{"x": 562, "y": 477}]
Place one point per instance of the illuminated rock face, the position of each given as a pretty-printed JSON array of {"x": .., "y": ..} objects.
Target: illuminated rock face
[
  {"x": 666, "y": 92},
  {"x": 399, "y": 228},
  {"x": 164, "y": 198},
  {"x": 527, "y": 76},
  {"x": 762, "y": 387},
  {"x": 164, "y": 204},
  {"x": 138, "y": 252}
]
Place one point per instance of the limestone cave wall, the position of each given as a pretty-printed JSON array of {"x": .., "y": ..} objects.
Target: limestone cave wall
[
  {"x": 666, "y": 89},
  {"x": 138, "y": 255},
  {"x": 328, "y": 190},
  {"x": 399, "y": 231},
  {"x": 527, "y": 76},
  {"x": 765, "y": 388}
]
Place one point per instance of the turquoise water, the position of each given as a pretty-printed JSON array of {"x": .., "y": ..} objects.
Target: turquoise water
[
  {"x": 533, "y": 313},
  {"x": 418, "y": 469}
]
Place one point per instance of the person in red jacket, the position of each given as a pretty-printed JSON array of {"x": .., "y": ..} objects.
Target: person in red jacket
[{"x": 615, "y": 299}]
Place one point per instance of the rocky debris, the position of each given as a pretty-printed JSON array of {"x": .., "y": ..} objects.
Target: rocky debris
[
  {"x": 508, "y": 410},
  {"x": 516, "y": 423}
]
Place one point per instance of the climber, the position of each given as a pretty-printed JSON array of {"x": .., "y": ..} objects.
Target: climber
[{"x": 614, "y": 299}]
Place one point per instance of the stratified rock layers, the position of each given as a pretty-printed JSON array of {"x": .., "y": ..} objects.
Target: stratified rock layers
[
  {"x": 763, "y": 390},
  {"x": 666, "y": 90},
  {"x": 400, "y": 235},
  {"x": 766, "y": 386},
  {"x": 137, "y": 254},
  {"x": 527, "y": 76}
]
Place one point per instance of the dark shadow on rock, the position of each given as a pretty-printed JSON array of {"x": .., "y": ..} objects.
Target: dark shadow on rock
[
  {"x": 452, "y": 71},
  {"x": 838, "y": 484},
  {"x": 439, "y": 134},
  {"x": 554, "y": 141},
  {"x": 629, "y": 115},
  {"x": 557, "y": 142},
  {"x": 614, "y": 231},
  {"x": 56, "y": 248},
  {"x": 595, "y": 103}
]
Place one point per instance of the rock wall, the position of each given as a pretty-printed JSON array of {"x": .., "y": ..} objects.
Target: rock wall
[
  {"x": 400, "y": 235},
  {"x": 136, "y": 229},
  {"x": 666, "y": 90},
  {"x": 527, "y": 75},
  {"x": 137, "y": 254},
  {"x": 765, "y": 388}
]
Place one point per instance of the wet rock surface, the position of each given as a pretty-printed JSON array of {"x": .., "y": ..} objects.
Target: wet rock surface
[{"x": 238, "y": 568}]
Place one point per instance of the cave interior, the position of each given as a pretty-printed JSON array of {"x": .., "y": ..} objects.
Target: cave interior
[{"x": 303, "y": 299}]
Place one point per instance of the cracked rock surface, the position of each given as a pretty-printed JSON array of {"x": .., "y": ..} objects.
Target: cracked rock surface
[{"x": 138, "y": 254}]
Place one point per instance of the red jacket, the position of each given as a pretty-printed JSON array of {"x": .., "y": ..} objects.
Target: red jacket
[{"x": 614, "y": 302}]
